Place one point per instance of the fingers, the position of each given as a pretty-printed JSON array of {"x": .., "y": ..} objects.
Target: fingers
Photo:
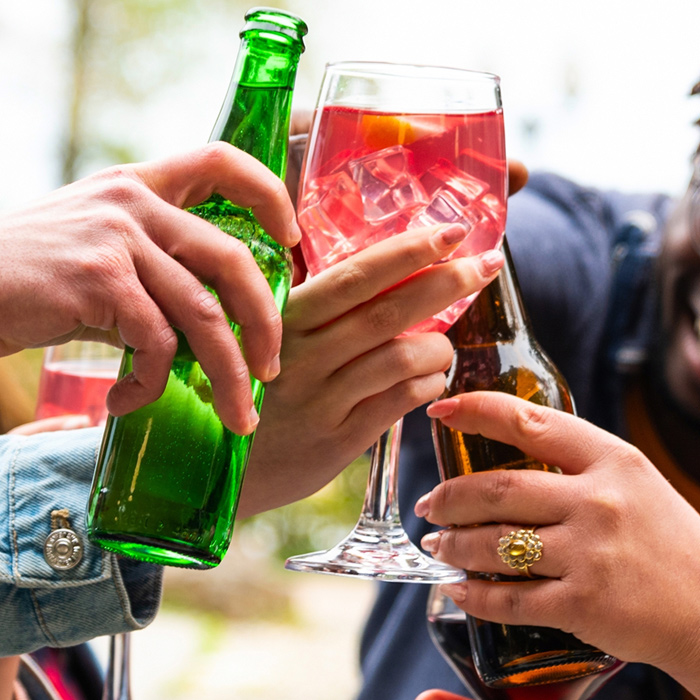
[
  {"x": 227, "y": 265},
  {"x": 183, "y": 302},
  {"x": 476, "y": 549},
  {"x": 522, "y": 497},
  {"x": 47, "y": 425},
  {"x": 374, "y": 415},
  {"x": 191, "y": 178},
  {"x": 539, "y": 602},
  {"x": 390, "y": 364},
  {"x": 365, "y": 275},
  {"x": 517, "y": 176},
  {"x": 439, "y": 695},
  {"x": 550, "y": 436}
]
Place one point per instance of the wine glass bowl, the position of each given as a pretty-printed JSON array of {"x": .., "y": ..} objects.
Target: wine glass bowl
[
  {"x": 394, "y": 147},
  {"x": 75, "y": 379},
  {"x": 449, "y": 631}
]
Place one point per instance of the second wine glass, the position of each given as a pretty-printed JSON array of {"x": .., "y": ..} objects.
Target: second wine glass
[
  {"x": 394, "y": 147},
  {"x": 447, "y": 625},
  {"x": 75, "y": 379}
]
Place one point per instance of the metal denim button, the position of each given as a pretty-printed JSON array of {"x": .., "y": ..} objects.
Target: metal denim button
[{"x": 63, "y": 549}]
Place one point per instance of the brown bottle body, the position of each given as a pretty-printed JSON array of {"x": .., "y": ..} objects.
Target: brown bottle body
[{"x": 495, "y": 350}]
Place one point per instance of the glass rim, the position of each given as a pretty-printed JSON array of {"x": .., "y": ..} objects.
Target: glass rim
[{"x": 410, "y": 70}]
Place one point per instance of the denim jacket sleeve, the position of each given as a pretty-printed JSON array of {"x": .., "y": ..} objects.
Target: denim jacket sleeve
[{"x": 39, "y": 606}]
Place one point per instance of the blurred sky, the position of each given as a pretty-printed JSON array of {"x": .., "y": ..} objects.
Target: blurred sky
[{"x": 595, "y": 90}]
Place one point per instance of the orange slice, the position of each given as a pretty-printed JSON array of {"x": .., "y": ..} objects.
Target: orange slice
[{"x": 382, "y": 131}]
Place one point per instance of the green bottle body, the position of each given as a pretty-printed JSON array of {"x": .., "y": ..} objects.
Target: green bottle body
[
  {"x": 169, "y": 475},
  {"x": 495, "y": 350}
]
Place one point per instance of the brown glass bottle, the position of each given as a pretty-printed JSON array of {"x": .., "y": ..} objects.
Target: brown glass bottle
[{"x": 495, "y": 350}]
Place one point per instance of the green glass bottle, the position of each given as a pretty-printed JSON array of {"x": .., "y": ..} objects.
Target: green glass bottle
[
  {"x": 169, "y": 475},
  {"x": 496, "y": 350}
]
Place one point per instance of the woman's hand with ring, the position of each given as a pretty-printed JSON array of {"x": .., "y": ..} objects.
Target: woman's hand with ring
[{"x": 619, "y": 561}]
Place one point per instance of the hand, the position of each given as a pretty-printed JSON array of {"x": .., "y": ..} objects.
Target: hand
[
  {"x": 346, "y": 377},
  {"x": 113, "y": 257},
  {"x": 48, "y": 425},
  {"x": 618, "y": 539},
  {"x": 439, "y": 695}
]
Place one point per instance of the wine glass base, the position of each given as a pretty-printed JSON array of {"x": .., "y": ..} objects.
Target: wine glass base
[{"x": 377, "y": 551}]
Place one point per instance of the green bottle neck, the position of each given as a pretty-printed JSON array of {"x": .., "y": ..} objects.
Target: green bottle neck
[{"x": 257, "y": 108}]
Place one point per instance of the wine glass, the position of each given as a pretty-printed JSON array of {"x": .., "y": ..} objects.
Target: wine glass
[
  {"x": 447, "y": 625},
  {"x": 75, "y": 379},
  {"x": 393, "y": 147}
]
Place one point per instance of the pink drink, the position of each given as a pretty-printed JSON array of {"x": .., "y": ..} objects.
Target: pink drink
[
  {"x": 371, "y": 175},
  {"x": 76, "y": 387}
]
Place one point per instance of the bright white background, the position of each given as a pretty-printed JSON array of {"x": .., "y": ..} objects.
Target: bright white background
[{"x": 595, "y": 90}]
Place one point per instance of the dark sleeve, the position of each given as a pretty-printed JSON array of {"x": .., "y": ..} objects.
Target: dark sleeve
[{"x": 562, "y": 237}]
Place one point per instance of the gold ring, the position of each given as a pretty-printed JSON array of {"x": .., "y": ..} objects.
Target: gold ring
[{"x": 520, "y": 549}]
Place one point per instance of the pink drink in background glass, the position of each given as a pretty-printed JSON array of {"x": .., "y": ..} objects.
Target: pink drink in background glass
[
  {"x": 76, "y": 387},
  {"x": 374, "y": 174}
]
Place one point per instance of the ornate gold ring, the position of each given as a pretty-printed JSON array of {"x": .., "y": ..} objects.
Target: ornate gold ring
[{"x": 520, "y": 549}]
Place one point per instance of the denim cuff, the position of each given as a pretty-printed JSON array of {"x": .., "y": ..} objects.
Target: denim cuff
[{"x": 39, "y": 605}]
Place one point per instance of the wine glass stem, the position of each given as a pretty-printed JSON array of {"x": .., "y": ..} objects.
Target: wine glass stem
[
  {"x": 381, "y": 497},
  {"x": 117, "y": 684}
]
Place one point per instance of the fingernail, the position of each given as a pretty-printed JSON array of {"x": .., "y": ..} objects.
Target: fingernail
[
  {"x": 274, "y": 368},
  {"x": 491, "y": 261},
  {"x": 443, "y": 408},
  {"x": 431, "y": 542},
  {"x": 295, "y": 231},
  {"x": 254, "y": 419},
  {"x": 422, "y": 507},
  {"x": 456, "y": 591},
  {"x": 448, "y": 236}
]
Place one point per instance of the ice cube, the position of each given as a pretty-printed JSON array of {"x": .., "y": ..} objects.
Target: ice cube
[
  {"x": 445, "y": 208},
  {"x": 484, "y": 228},
  {"x": 445, "y": 175},
  {"x": 387, "y": 187},
  {"x": 331, "y": 216}
]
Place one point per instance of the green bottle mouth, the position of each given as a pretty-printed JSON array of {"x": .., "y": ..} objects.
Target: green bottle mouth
[{"x": 269, "y": 19}]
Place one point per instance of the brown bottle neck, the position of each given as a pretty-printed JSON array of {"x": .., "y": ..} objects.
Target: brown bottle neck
[{"x": 497, "y": 314}]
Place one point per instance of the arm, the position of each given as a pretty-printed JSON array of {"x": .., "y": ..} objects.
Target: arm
[
  {"x": 102, "y": 594},
  {"x": 618, "y": 539},
  {"x": 113, "y": 257}
]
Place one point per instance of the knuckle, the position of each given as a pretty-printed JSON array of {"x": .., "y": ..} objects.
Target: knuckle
[
  {"x": 166, "y": 340},
  {"x": 416, "y": 391},
  {"x": 349, "y": 282},
  {"x": 448, "y": 545},
  {"x": 512, "y": 603},
  {"x": 384, "y": 316},
  {"x": 119, "y": 186},
  {"x": 206, "y": 308},
  {"x": 402, "y": 358},
  {"x": 530, "y": 421},
  {"x": 499, "y": 487},
  {"x": 606, "y": 506},
  {"x": 440, "y": 497},
  {"x": 107, "y": 261},
  {"x": 215, "y": 154}
]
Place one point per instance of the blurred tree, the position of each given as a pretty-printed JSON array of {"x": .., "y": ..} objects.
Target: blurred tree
[{"x": 123, "y": 53}]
